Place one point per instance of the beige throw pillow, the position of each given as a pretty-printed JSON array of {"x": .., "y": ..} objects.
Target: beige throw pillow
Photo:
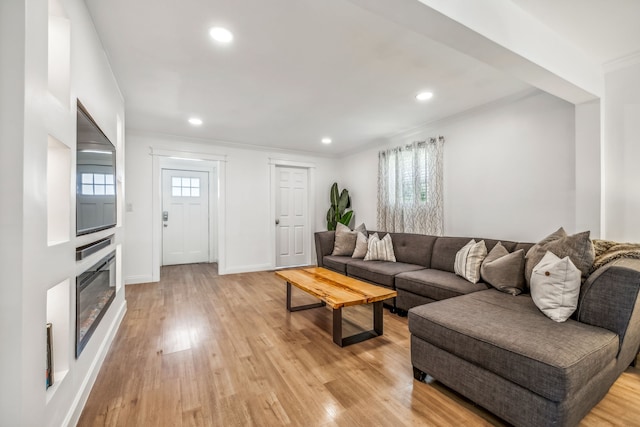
[
  {"x": 380, "y": 250},
  {"x": 469, "y": 259},
  {"x": 361, "y": 246},
  {"x": 555, "y": 286},
  {"x": 578, "y": 247},
  {"x": 503, "y": 270},
  {"x": 345, "y": 240}
]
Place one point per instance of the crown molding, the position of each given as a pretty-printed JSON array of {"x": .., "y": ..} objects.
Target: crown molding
[{"x": 622, "y": 62}]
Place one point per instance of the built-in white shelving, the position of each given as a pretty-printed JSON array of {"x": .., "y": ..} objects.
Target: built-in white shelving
[
  {"x": 59, "y": 188},
  {"x": 58, "y": 314},
  {"x": 58, "y": 192}
]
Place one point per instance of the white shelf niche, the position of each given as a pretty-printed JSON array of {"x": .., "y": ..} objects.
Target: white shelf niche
[
  {"x": 59, "y": 63},
  {"x": 58, "y": 314},
  {"x": 58, "y": 192}
]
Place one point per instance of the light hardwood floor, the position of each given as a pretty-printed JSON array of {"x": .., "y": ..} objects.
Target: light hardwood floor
[{"x": 198, "y": 349}]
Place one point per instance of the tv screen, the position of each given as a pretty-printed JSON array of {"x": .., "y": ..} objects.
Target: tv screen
[{"x": 95, "y": 177}]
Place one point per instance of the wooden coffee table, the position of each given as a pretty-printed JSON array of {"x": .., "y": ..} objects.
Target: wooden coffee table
[{"x": 337, "y": 291}]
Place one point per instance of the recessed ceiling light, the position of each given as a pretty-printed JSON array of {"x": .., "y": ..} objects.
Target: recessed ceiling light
[
  {"x": 423, "y": 96},
  {"x": 326, "y": 140},
  {"x": 195, "y": 121},
  {"x": 221, "y": 35}
]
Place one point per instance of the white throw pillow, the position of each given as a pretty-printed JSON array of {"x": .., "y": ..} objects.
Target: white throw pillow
[
  {"x": 469, "y": 260},
  {"x": 380, "y": 250},
  {"x": 362, "y": 245},
  {"x": 555, "y": 286}
]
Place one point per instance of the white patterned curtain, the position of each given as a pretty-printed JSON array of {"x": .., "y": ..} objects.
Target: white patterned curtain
[{"x": 410, "y": 188}]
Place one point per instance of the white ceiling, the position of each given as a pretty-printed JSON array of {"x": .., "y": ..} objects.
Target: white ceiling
[
  {"x": 299, "y": 70},
  {"x": 605, "y": 30}
]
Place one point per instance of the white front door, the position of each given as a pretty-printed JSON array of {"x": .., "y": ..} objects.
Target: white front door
[
  {"x": 185, "y": 217},
  {"x": 292, "y": 228}
]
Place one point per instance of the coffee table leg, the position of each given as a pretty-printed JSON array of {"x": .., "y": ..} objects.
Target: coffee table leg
[
  {"x": 377, "y": 317},
  {"x": 300, "y": 307},
  {"x": 337, "y": 326},
  {"x": 359, "y": 337}
]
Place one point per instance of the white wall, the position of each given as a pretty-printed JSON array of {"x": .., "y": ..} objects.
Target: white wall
[
  {"x": 588, "y": 168},
  {"x": 36, "y": 110},
  {"x": 12, "y": 41},
  {"x": 622, "y": 154},
  {"x": 248, "y": 229},
  {"x": 509, "y": 170}
]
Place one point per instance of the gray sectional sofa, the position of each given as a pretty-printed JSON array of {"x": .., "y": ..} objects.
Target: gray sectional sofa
[{"x": 500, "y": 350}]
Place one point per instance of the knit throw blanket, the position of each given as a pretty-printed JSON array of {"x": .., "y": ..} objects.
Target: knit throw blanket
[{"x": 607, "y": 251}]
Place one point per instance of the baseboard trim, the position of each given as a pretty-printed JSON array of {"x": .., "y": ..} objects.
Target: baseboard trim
[
  {"x": 245, "y": 269},
  {"x": 134, "y": 280},
  {"x": 73, "y": 416}
]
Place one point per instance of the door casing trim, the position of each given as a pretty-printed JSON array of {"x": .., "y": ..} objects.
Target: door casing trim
[
  {"x": 311, "y": 203},
  {"x": 216, "y": 166}
]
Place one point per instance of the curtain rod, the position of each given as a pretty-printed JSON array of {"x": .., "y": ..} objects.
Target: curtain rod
[{"x": 430, "y": 140}]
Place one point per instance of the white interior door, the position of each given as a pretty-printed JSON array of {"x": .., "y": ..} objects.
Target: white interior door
[
  {"x": 185, "y": 216},
  {"x": 292, "y": 217}
]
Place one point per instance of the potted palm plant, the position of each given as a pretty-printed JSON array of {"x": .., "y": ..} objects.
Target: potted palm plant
[{"x": 338, "y": 213}]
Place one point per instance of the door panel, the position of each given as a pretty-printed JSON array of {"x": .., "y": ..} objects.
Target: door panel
[
  {"x": 299, "y": 240},
  {"x": 292, "y": 228},
  {"x": 185, "y": 231}
]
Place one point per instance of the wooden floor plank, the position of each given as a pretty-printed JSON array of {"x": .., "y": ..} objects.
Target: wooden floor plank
[{"x": 198, "y": 349}]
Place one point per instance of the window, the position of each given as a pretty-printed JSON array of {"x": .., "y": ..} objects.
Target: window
[
  {"x": 185, "y": 187},
  {"x": 97, "y": 184},
  {"x": 410, "y": 188},
  {"x": 407, "y": 177}
]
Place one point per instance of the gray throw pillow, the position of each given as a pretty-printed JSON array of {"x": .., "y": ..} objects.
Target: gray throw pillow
[
  {"x": 577, "y": 247},
  {"x": 529, "y": 264},
  {"x": 361, "y": 228},
  {"x": 345, "y": 241},
  {"x": 503, "y": 270}
]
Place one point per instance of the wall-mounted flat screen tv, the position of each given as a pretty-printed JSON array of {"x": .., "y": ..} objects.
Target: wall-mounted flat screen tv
[{"x": 95, "y": 177}]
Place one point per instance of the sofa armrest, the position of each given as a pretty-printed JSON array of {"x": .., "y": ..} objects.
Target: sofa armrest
[
  {"x": 324, "y": 245},
  {"x": 610, "y": 299}
]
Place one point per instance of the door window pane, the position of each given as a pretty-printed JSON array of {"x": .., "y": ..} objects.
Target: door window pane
[
  {"x": 97, "y": 184},
  {"x": 185, "y": 187}
]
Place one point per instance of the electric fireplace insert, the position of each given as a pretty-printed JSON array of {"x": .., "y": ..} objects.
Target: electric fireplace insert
[{"x": 95, "y": 290}]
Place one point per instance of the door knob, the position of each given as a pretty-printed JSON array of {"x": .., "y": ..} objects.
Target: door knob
[{"x": 277, "y": 221}]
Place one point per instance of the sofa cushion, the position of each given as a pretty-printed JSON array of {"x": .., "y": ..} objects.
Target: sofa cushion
[
  {"x": 380, "y": 272},
  {"x": 524, "y": 246},
  {"x": 337, "y": 263},
  {"x": 436, "y": 284},
  {"x": 413, "y": 248},
  {"x": 510, "y": 337},
  {"x": 445, "y": 250}
]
